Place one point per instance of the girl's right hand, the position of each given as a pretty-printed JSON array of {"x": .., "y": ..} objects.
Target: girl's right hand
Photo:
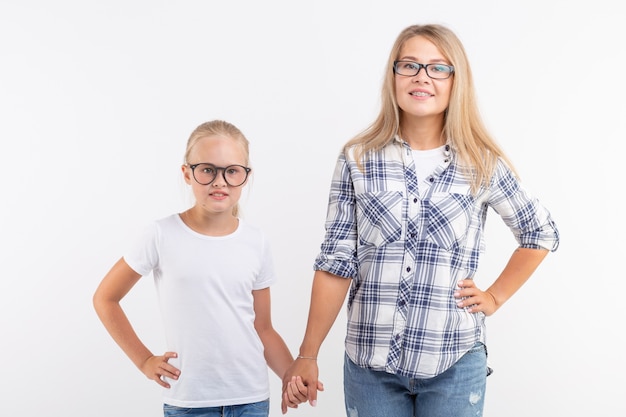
[{"x": 157, "y": 367}]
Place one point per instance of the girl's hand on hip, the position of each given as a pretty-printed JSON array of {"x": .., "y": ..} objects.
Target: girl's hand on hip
[{"x": 157, "y": 367}]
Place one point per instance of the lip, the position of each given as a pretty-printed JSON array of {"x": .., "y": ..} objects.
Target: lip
[
  {"x": 218, "y": 195},
  {"x": 420, "y": 93}
]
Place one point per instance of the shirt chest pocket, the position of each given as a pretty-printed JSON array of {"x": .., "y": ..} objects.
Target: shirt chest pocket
[
  {"x": 449, "y": 217},
  {"x": 379, "y": 217}
]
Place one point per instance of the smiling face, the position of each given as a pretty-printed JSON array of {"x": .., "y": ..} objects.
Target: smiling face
[
  {"x": 221, "y": 151},
  {"x": 420, "y": 96}
]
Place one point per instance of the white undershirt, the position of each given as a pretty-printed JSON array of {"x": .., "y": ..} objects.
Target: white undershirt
[{"x": 426, "y": 162}]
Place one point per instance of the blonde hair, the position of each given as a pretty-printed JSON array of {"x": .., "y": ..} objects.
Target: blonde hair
[
  {"x": 463, "y": 128},
  {"x": 218, "y": 128}
]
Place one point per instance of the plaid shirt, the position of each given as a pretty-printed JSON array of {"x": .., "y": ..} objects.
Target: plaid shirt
[{"x": 405, "y": 248}]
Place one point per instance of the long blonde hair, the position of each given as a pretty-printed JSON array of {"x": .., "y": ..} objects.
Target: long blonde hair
[
  {"x": 463, "y": 128},
  {"x": 218, "y": 128}
]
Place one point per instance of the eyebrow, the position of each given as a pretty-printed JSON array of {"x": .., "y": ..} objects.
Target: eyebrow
[{"x": 412, "y": 58}]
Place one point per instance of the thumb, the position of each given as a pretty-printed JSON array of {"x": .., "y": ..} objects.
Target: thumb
[{"x": 320, "y": 386}]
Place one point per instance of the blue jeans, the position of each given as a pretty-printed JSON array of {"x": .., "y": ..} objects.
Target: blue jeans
[
  {"x": 458, "y": 392},
  {"x": 260, "y": 409}
]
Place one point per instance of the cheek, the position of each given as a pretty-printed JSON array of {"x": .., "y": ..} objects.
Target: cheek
[
  {"x": 198, "y": 190},
  {"x": 399, "y": 86},
  {"x": 447, "y": 91},
  {"x": 401, "y": 97},
  {"x": 235, "y": 193}
]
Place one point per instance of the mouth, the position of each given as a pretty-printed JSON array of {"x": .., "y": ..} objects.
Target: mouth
[{"x": 421, "y": 94}]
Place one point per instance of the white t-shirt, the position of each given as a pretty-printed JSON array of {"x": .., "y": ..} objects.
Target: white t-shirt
[
  {"x": 204, "y": 286},
  {"x": 427, "y": 161}
]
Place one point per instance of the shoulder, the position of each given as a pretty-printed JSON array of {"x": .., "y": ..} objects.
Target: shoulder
[
  {"x": 169, "y": 219},
  {"x": 250, "y": 230},
  {"x": 503, "y": 170},
  {"x": 391, "y": 149},
  {"x": 171, "y": 222}
]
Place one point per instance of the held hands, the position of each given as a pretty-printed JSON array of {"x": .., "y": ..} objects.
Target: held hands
[
  {"x": 294, "y": 393},
  {"x": 475, "y": 300},
  {"x": 156, "y": 367},
  {"x": 300, "y": 376}
]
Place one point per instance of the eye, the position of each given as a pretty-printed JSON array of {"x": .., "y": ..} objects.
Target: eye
[
  {"x": 411, "y": 65},
  {"x": 232, "y": 170},
  {"x": 440, "y": 68},
  {"x": 207, "y": 169}
]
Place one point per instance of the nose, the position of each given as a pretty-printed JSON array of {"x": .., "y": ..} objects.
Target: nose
[
  {"x": 421, "y": 75},
  {"x": 219, "y": 180}
]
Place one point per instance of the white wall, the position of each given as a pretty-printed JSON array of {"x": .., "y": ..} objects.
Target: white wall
[{"x": 97, "y": 100}]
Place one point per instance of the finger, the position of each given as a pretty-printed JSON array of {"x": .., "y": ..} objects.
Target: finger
[
  {"x": 161, "y": 382},
  {"x": 170, "y": 371},
  {"x": 290, "y": 393},
  {"x": 299, "y": 386},
  {"x": 474, "y": 308},
  {"x": 312, "y": 395},
  {"x": 466, "y": 283},
  {"x": 468, "y": 301},
  {"x": 288, "y": 401},
  {"x": 320, "y": 386},
  {"x": 296, "y": 395},
  {"x": 168, "y": 355}
]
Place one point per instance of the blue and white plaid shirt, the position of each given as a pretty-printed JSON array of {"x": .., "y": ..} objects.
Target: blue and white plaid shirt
[{"x": 405, "y": 248}]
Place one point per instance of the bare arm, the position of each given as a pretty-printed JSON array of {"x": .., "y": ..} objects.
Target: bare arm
[
  {"x": 106, "y": 301},
  {"x": 277, "y": 353},
  {"x": 327, "y": 297},
  {"x": 520, "y": 267}
]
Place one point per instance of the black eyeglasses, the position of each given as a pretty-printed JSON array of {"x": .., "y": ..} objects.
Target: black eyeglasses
[
  {"x": 205, "y": 174},
  {"x": 412, "y": 68}
]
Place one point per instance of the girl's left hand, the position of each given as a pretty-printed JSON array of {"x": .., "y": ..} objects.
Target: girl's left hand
[
  {"x": 474, "y": 299},
  {"x": 296, "y": 392}
]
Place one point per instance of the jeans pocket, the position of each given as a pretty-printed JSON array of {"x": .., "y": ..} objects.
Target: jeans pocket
[{"x": 173, "y": 411}]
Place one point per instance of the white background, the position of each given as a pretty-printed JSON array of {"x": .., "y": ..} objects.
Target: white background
[{"x": 97, "y": 99}]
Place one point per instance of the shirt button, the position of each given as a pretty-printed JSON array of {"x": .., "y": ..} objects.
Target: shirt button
[
  {"x": 415, "y": 200},
  {"x": 431, "y": 179},
  {"x": 408, "y": 269}
]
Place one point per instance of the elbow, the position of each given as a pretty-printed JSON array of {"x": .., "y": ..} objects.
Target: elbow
[{"x": 97, "y": 302}]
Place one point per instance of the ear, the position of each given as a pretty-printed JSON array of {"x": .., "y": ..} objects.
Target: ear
[{"x": 187, "y": 174}]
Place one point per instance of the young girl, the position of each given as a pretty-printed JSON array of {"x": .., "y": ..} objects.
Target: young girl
[
  {"x": 212, "y": 272},
  {"x": 407, "y": 208}
]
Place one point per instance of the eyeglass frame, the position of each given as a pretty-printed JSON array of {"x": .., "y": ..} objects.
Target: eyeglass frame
[
  {"x": 223, "y": 169},
  {"x": 419, "y": 68}
]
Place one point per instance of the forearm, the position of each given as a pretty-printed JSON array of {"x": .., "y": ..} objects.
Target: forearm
[
  {"x": 327, "y": 297},
  {"x": 120, "y": 329},
  {"x": 520, "y": 267},
  {"x": 277, "y": 354}
]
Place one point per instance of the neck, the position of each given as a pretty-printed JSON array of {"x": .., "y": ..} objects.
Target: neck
[
  {"x": 210, "y": 224},
  {"x": 422, "y": 134}
]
